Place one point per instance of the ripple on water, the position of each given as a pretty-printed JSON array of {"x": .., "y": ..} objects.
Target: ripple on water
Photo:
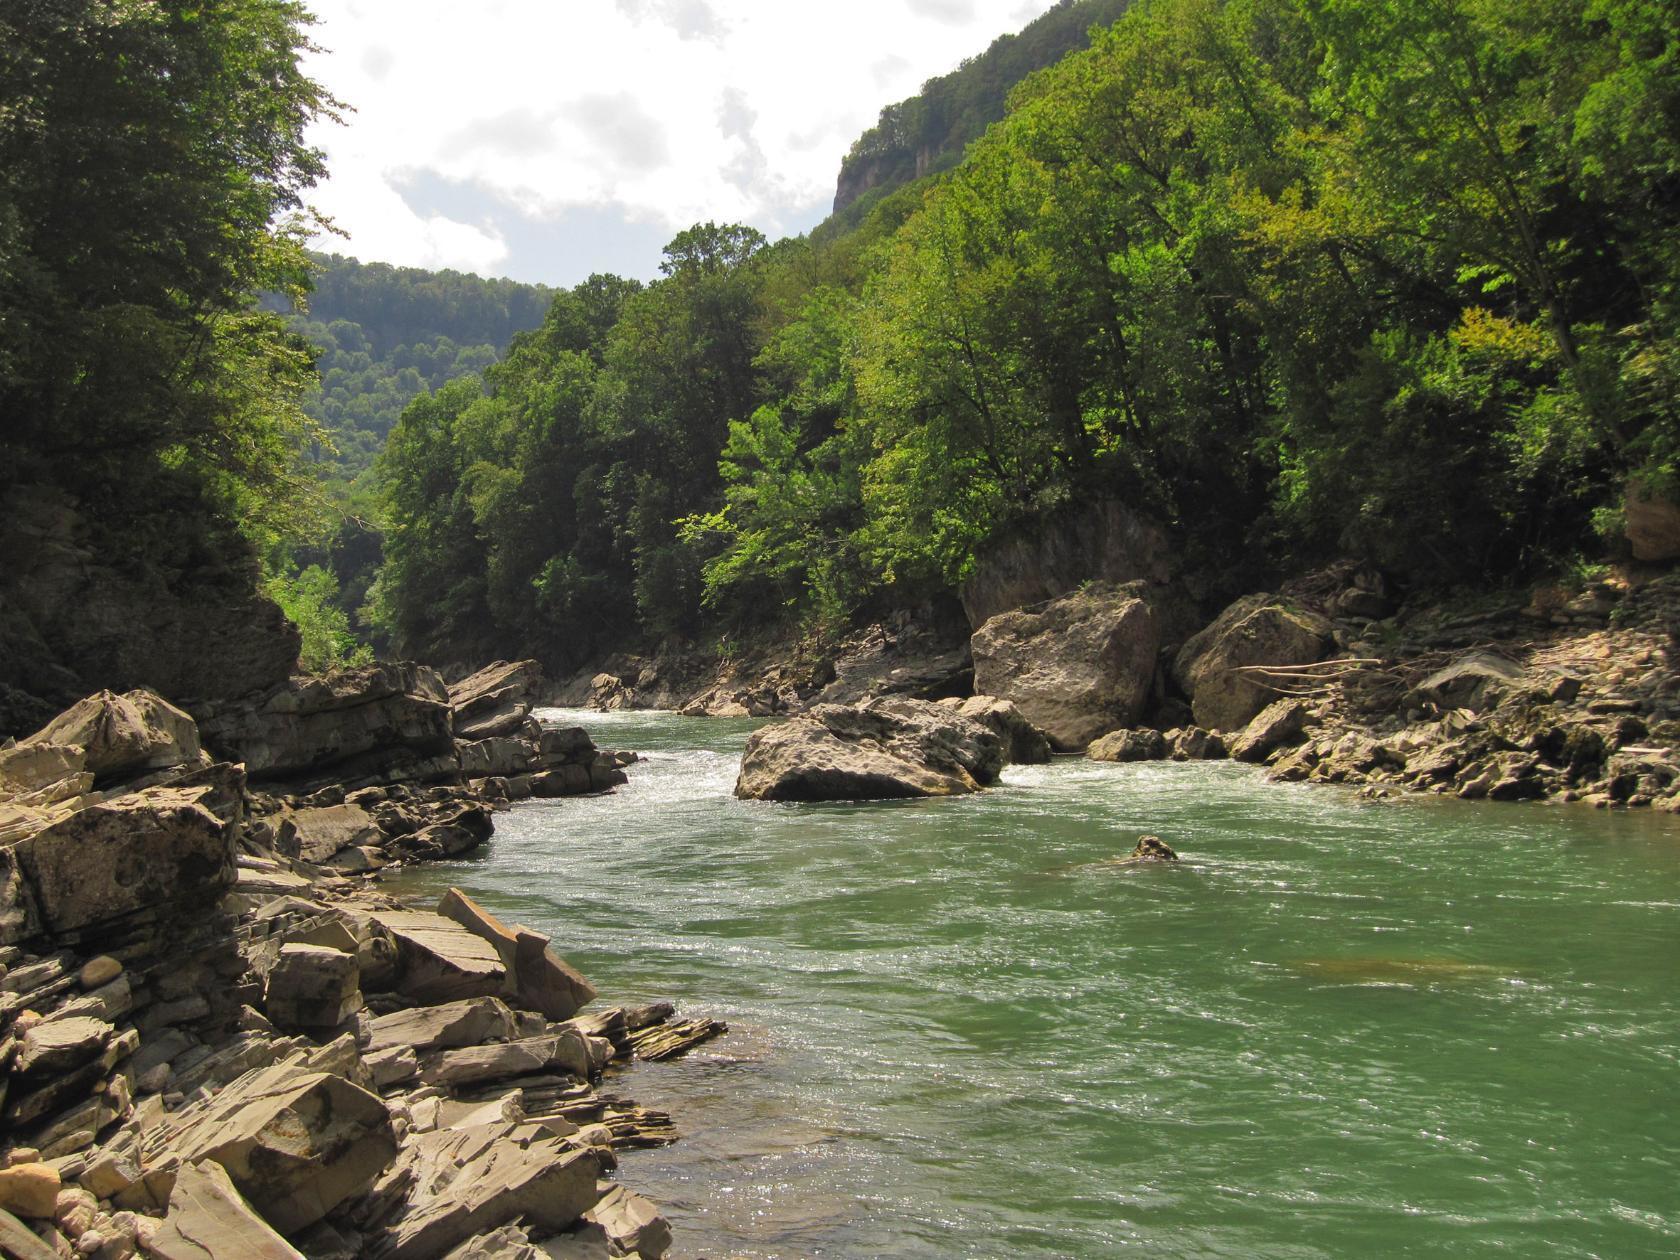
[{"x": 1332, "y": 1030}]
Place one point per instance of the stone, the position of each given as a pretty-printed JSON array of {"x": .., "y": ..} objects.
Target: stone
[
  {"x": 1257, "y": 630},
  {"x": 97, "y": 972},
  {"x": 311, "y": 986},
  {"x": 496, "y": 700},
  {"x": 328, "y": 830},
  {"x": 1153, "y": 849},
  {"x": 164, "y": 849},
  {"x": 296, "y": 1144},
  {"x": 1652, "y": 523},
  {"x": 563, "y": 745},
  {"x": 538, "y": 978},
  {"x": 386, "y": 721},
  {"x": 43, "y": 774},
  {"x": 61, "y": 1045},
  {"x": 1141, "y": 744},
  {"x": 446, "y": 1027},
  {"x": 1192, "y": 743},
  {"x": 453, "y": 1185},
  {"x": 634, "y": 1226},
  {"x": 75, "y": 1210},
  {"x": 501, "y": 1061},
  {"x": 19, "y": 1242},
  {"x": 30, "y": 1190},
  {"x": 1475, "y": 682},
  {"x": 882, "y": 749},
  {"x": 585, "y": 1241},
  {"x": 1278, "y": 725},
  {"x": 124, "y": 735},
  {"x": 1026, "y": 744},
  {"x": 208, "y": 1220},
  {"x": 1077, "y": 667},
  {"x": 438, "y": 960},
  {"x": 499, "y": 756}
]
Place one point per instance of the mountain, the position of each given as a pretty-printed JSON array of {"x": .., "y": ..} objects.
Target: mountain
[{"x": 928, "y": 132}]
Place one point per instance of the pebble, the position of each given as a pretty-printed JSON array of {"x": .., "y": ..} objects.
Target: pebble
[{"x": 98, "y": 971}]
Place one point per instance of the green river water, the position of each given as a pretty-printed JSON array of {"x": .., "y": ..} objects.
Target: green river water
[{"x": 1335, "y": 1029}]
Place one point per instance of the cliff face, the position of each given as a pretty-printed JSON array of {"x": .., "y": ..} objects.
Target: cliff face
[
  {"x": 97, "y": 596},
  {"x": 929, "y": 131}
]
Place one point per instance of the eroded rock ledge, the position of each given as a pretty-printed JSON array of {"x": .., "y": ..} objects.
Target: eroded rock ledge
[{"x": 218, "y": 1038}]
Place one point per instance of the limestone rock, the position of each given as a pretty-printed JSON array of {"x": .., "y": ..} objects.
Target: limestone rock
[
  {"x": 1476, "y": 682},
  {"x": 43, "y": 773},
  {"x": 312, "y": 986},
  {"x": 390, "y": 720},
  {"x": 1256, "y": 630},
  {"x": 1276, "y": 726},
  {"x": 124, "y": 735},
  {"x": 30, "y": 1190},
  {"x": 1141, "y": 744},
  {"x": 634, "y": 1226},
  {"x": 499, "y": 756},
  {"x": 501, "y": 1061},
  {"x": 439, "y": 960},
  {"x": 208, "y": 1220},
  {"x": 325, "y": 831},
  {"x": 1653, "y": 524},
  {"x": 882, "y": 749},
  {"x": 1192, "y": 743},
  {"x": 167, "y": 847},
  {"x": 453, "y": 1185},
  {"x": 1077, "y": 667},
  {"x": 60, "y": 1045},
  {"x": 296, "y": 1144},
  {"x": 446, "y": 1027},
  {"x": 496, "y": 700},
  {"x": 538, "y": 978},
  {"x": 1026, "y": 744}
]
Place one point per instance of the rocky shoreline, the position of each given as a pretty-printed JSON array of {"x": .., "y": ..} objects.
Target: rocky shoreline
[
  {"x": 1547, "y": 695},
  {"x": 218, "y": 1037}
]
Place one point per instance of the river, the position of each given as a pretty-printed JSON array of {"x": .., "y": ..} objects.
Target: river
[{"x": 1334, "y": 1029}]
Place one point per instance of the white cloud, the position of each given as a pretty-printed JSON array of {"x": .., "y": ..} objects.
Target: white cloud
[{"x": 645, "y": 112}]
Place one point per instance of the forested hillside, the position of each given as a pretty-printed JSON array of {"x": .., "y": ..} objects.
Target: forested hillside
[
  {"x": 927, "y": 133},
  {"x": 386, "y": 334},
  {"x": 1294, "y": 278}
]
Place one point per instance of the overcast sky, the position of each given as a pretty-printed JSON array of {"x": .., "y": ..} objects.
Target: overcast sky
[{"x": 548, "y": 139}]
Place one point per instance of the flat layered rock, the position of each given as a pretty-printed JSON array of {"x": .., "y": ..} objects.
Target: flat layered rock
[
  {"x": 439, "y": 960},
  {"x": 208, "y": 1220},
  {"x": 447, "y": 1027},
  {"x": 295, "y": 1143},
  {"x": 124, "y": 734},
  {"x": 566, "y": 1050},
  {"x": 538, "y": 977},
  {"x": 454, "y": 1185}
]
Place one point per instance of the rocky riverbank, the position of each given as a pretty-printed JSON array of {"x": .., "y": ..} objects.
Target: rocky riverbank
[
  {"x": 1548, "y": 694},
  {"x": 218, "y": 1037}
]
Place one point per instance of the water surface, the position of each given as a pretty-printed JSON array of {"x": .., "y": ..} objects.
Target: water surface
[{"x": 1418, "y": 1028}]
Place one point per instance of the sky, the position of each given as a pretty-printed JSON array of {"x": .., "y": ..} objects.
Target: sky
[{"x": 549, "y": 139}]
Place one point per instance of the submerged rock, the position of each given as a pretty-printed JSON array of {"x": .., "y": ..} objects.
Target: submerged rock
[
  {"x": 1153, "y": 849},
  {"x": 884, "y": 749}
]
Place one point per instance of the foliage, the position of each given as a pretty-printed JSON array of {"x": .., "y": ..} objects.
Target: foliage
[
  {"x": 1294, "y": 278},
  {"x": 308, "y": 599}
]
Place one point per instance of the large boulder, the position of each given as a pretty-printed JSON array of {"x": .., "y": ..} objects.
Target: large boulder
[
  {"x": 1652, "y": 524},
  {"x": 386, "y": 721},
  {"x": 883, "y": 749},
  {"x": 168, "y": 847},
  {"x": 295, "y": 1143},
  {"x": 123, "y": 736},
  {"x": 1076, "y": 667},
  {"x": 537, "y": 977},
  {"x": 496, "y": 700},
  {"x": 1027, "y": 745},
  {"x": 1276, "y": 726},
  {"x": 438, "y": 960},
  {"x": 1141, "y": 744},
  {"x": 1257, "y": 630}
]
